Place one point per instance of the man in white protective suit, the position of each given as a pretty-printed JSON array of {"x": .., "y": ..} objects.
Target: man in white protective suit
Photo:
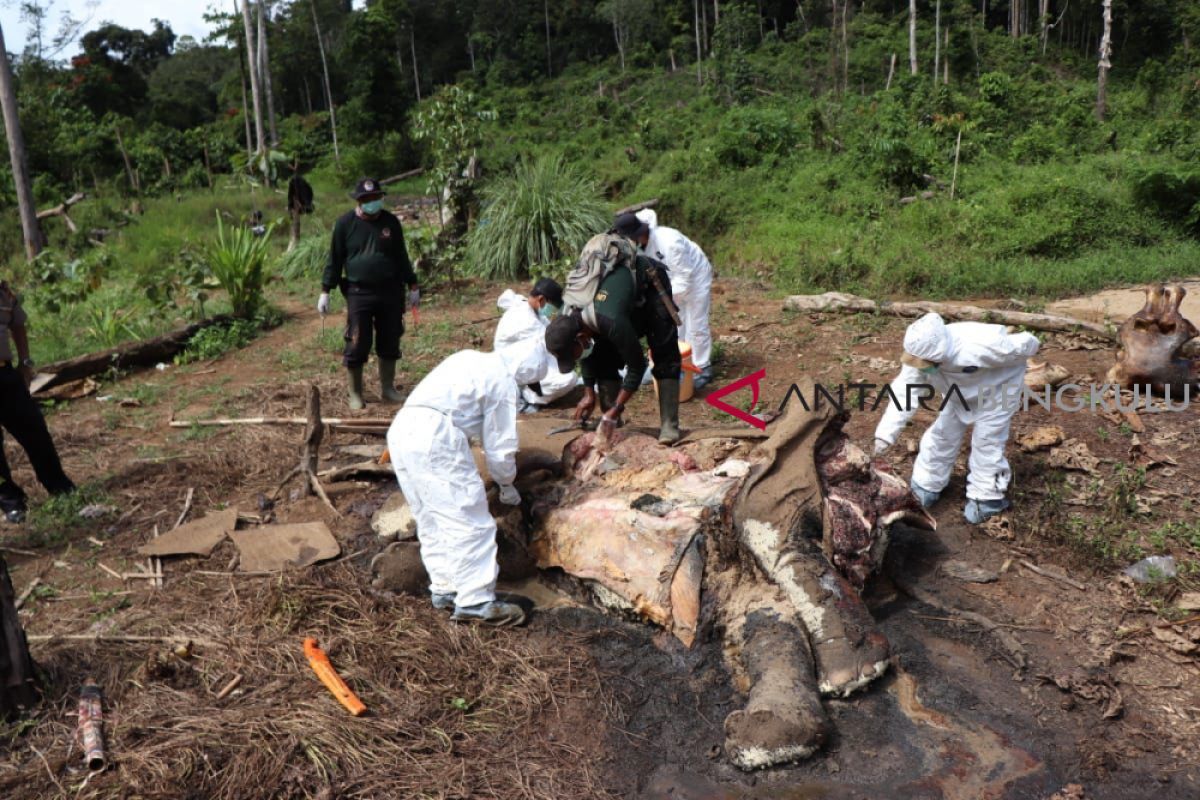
[
  {"x": 525, "y": 319},
  {"x": 470, "y": 395},
  {"x": 691, "y": 286},
  {"x": 979, "y": 371}
]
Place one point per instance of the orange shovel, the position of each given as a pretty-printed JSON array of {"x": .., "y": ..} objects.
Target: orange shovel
[{"x": 333, "y": 682}]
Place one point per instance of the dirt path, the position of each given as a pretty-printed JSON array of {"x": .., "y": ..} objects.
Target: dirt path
[{"x": 954, "y": 719}]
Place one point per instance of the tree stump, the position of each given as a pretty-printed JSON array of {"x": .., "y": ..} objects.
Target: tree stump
[{"x": 18, "y": 689}]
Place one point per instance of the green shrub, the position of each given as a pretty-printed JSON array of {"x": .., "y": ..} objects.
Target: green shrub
[
  {"x": 1174, "y": 196},
  {"x": 307, "y": 260},
  {"x": 748, "y": 135},
  {"x": 541, "y": 214},
  {"x": 236, "y": 260},
  {"x": 216, "y": 340}
]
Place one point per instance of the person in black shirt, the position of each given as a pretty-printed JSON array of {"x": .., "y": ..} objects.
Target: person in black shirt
[
  {"x": 369, "y": 263},
  {"x": 20, "y": 415}
]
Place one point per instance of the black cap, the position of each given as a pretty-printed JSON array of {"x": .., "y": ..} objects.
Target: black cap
[
  {"x": 549, "y": 289},
  {"x": 560, "y": 340},
  {"x": 629, "y": 226},
  {"x": 367, "y": 187}
]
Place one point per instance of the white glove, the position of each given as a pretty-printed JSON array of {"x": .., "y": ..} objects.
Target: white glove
[
  {"x": 509, "y": 495},
  {"x": 323, "y": 303},
  {"x": 881, "y": 447},
  {"x": 414, "y": 297}
]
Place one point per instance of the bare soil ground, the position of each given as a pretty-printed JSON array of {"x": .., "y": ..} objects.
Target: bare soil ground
[{"x": 579, "y": 704}]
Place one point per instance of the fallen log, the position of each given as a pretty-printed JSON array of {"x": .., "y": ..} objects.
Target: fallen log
[
  {"x": 412, "y": 173},
  {"x": 145, "y": 353},
  {"x": 636, "y": 207},
  {"x": 61, "y": 210},
  {"x": 839, "y": 302}
]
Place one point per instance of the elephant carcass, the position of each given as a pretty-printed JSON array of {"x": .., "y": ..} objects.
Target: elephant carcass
[
  {"x": 651, "y": 528},
  {"x": 1152, "y": 342}
]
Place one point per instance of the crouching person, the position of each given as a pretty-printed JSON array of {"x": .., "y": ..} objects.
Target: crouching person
[
  {"x": 470, "y": 395},
  {"x": 973, "y": 366},
  {"x": 525, "y": 319}
]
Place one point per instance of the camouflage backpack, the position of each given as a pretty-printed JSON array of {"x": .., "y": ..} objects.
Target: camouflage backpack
[{"x": 603, "y": 253}]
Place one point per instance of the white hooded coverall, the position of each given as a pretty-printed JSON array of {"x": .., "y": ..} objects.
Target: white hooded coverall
[
  {"x": 977, "y": 358},
  {"x": 469, "y": 395},
  {"x": 691, "y": 283},
  {"x": 521, "y": 323}
]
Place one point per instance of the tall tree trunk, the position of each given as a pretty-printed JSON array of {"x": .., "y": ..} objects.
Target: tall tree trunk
[
  {"x": 1105, "y": 55},
  {"x": 34, "y": 241},
  {"x": 1044, "y": 22},
  {"x": 337, "y": 158},
  {"x": 546, "y": 16},
  {"x": 937, "y": 39},
  {"x": 246, "y": 119},
  {"x": 129, "y": 173},
  {"x": 471, "y": 53},
  {"x": 912, "y": 36},
  {"x": 264, "y": 72},
  {"x": 699, "y": 48},
  {"x": 716, "y": 13},
  {"x": 308, "y": 106},
  {"x": 946, "y": 59},
  {"x": 259, "y": 133},
  {"x": 704, "y": 27},
  {"x": 845, "y": 46},
  {"x": 412, "y": 44}
]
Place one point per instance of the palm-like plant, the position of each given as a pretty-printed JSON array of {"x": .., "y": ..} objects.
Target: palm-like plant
[
  {"x": 237, "y": 261},
  {"x": 540, "y": 214}
]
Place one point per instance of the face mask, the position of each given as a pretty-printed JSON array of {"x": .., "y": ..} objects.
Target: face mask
[
  {"x": 372, "y": 207},
  {"x": 932, "y": 368},
  {"x": 548, "y": 312}
]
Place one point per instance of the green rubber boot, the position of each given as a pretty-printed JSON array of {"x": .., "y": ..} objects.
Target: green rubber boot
[
  {"x": 668, "y": 411},
  {"x": 356, "y": 388},
  {"x": 387, "y": 381}
]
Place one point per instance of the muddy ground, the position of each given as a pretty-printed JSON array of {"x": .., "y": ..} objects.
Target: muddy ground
[{"x": 605, "y": 707}]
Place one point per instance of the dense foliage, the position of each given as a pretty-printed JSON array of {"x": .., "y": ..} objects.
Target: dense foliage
[{"x": 782, "y": 135}]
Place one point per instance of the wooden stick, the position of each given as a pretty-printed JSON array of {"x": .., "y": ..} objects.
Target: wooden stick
[
  {"x": 1045, "y": 573},
  {"x": 316, "y": 485},
  {"x": 33, "y": 584},
  {"x": 129, "y": 576},
  {"x": 412, "y": 173},
  {"x": 187, "y": 506},
  {"x": 839, "y": 302},
  {"x": 19, "y": 551},
  {"x": 222, "y": 421},
  {"x": 112, "y": 572},
  {"x": 64, "y": 598},
  {"x": 116, "y": 637},
  {"x": 954, "y": 178},
  {"x": 229, "y": 687},
  {"x": 636, "y": 207}
]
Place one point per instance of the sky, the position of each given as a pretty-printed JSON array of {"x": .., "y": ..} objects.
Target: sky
[{"x": 186, "y": 17}]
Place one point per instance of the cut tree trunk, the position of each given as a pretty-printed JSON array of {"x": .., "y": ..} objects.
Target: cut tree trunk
[
  {"x": 145, "y": 353},
  {"x": 18, "y": 689},
  {"x": 837, "y": 302}
]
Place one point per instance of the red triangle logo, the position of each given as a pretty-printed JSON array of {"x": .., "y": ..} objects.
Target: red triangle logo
[{"x": 714, "y": 399}]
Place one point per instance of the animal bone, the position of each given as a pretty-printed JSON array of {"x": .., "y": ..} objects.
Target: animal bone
[{"x": 1152, "y": 341}]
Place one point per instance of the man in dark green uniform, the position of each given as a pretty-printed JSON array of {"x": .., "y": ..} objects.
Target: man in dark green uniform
[
  {"x": 369, "y": 262},
  {"x": 20, "y": 415},
  {"x": 627, "y": 308}
]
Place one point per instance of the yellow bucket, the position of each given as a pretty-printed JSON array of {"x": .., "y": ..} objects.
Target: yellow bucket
[{"x": 686, "y": 385}]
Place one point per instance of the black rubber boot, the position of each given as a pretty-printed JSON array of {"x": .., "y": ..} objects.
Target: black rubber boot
[
  {"x": 355, "y": 377},
  {"x": 387, "y": 381},
  {"x": 668, "y": 411}
]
